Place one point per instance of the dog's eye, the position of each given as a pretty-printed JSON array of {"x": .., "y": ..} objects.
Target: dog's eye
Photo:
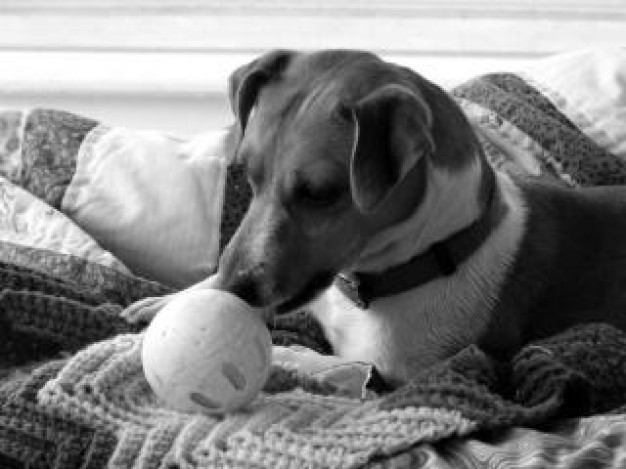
[{"x": 318, "y": 196}]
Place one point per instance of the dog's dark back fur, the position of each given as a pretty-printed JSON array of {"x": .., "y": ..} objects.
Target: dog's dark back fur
[{"x": 564, "y": 277}]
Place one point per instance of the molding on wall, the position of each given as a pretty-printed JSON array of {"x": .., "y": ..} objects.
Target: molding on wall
[
  {"x": 494, "y": 36},
  {"x": 165, "y": 63},
  {"x": 430, "y": 8}
]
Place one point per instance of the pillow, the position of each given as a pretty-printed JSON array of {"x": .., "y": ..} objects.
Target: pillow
[
  {"x": 153, "y": 200},
  {"x": 589, "y": 87}
]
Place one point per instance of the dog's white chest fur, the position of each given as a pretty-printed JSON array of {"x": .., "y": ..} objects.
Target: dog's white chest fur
[{"x": 407, "y": 332}]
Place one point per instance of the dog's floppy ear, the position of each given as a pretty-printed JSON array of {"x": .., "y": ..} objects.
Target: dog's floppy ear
[
  {"x": 246, "y": 82},
  {"x": 392, "y": 133}
]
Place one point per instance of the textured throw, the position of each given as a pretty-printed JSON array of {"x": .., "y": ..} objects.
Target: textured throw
[{"x": 73, "y": 395}]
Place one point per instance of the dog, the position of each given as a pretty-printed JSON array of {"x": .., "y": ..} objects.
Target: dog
[{"x": 375, "y": 207}]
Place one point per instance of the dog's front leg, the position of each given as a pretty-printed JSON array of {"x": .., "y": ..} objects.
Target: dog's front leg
[{"x": 147, "y": 308}]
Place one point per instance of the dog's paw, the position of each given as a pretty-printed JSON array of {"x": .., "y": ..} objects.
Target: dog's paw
[{"x": 146, "y": 309}]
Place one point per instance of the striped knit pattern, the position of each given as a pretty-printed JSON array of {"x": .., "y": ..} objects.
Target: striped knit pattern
[{"x": 96, "y": 407}]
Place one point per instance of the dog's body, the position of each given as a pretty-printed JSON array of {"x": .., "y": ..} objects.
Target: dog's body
[
  {"x": 541, "y": 270},
  {"x": 359, "y": 166}
]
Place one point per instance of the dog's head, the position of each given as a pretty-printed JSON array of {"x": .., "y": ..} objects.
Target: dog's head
[{"x": 336, "y": 145}]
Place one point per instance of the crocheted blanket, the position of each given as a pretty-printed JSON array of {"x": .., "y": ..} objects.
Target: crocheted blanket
[{"x": 71, "y": 384}]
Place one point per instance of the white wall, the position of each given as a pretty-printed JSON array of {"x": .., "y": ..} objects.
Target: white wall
[{"x": 164, "y": 63}]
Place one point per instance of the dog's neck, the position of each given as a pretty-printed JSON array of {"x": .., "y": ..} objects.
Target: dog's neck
[
  {"x": 404, "y": 333},
  {"x": 454, "y": 219},
  {"x": 450, "y": 204}
]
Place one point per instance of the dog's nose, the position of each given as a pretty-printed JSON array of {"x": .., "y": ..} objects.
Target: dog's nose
[{"x": 247, "y": 284}]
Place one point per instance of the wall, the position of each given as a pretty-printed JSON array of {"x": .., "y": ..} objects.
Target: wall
[{"x": 164, "y": 63}]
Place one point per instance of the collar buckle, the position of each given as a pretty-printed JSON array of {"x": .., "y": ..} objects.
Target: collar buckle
[{"x": 351, "y": 287}]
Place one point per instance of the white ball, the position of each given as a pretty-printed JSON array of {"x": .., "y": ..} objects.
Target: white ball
[{"x": 207, "y": 351}]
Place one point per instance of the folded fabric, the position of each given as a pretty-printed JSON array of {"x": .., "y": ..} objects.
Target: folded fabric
[
  {"x": 154, "y": 200},
  {"x": 522, "y": 131},
  {"x": 108, "y": 413},
  {"x": 589, "y": 87},
  {"x": 348, "y": 378}
]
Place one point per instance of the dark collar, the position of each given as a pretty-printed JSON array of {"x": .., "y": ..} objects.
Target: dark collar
[{"x": 441, "y": 259}]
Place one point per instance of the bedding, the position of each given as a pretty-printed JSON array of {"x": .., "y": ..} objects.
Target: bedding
[
  {"x": 162, "y": 193},
  {"x": 71, "y": 386}
]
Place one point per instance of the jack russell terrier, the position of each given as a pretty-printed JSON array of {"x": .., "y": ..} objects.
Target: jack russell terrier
[{"x": 374, "y": 205}]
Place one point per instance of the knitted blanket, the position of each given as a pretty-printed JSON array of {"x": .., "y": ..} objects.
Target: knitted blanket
[{"x": 71, "y": 383}]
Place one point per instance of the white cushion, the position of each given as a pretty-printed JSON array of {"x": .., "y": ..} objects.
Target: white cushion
[{"x": 153, "y": 200}]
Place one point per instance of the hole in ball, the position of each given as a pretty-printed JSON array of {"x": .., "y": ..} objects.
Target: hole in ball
[
  {"x": 204, "y": 401},
  {"x": 235, "y": 377}
]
